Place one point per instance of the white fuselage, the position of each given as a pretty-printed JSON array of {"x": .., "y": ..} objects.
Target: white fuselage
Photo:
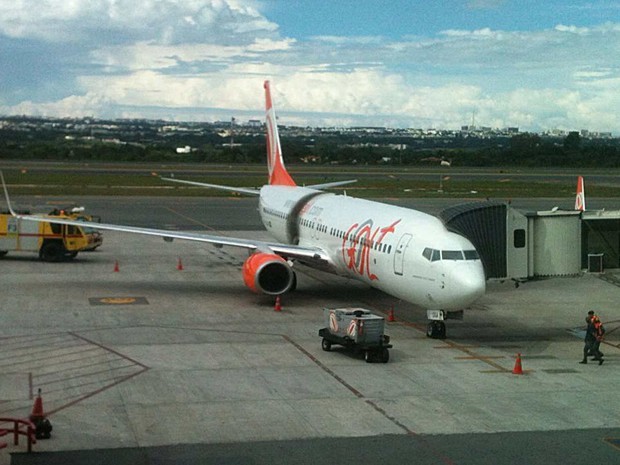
[{"x": 403, "y": 252}]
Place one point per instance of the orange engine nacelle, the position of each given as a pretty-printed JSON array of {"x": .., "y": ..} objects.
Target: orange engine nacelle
[{"x": 268, "y": 273}]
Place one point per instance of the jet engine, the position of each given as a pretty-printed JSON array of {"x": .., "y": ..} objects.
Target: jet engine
[{"x": 268, "y": 274}]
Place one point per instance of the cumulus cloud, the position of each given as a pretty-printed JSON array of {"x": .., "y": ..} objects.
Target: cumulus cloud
[
  {"x": 200, "y": 57},
  {"x": 111, "y": 57},
  {"x": 118, "y": 21}
]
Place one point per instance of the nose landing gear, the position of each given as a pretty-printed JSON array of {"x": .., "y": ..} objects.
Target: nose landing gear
[{"x": 436, "y": 329}]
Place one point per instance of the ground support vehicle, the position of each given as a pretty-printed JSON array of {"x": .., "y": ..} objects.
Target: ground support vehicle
[
  {"x": 77, "y": 213},
  {"x": 356, "y": 329},
  {"x": 53, "y": 242}
]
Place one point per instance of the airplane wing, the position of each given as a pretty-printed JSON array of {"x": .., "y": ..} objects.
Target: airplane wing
[{"x": 306, "y": 254}]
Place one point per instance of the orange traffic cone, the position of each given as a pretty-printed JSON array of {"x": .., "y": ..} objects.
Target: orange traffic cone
[
  {"x": 518, "y": 369},
  {"x": 43, "y": 427},
  {"x": 37, "y": 409},
  {"x": 180, "y": 265},
  {"x": 277, "y": 307},
  {"x": 391, "y": 315},
  {"x": 116, "y": 267}
]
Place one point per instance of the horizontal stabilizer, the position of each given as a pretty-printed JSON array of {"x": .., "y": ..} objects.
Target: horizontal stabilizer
[
  {"x": 242, "y": 190},
  {"x": 329, "y": 185}
]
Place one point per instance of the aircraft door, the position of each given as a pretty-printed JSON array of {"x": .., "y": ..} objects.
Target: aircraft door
[{"x": 399, "y": 254}]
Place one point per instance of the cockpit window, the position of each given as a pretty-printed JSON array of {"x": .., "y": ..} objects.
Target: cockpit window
[
  {"x": 471, "y": 255},
  {"x": 434, "y": 255},
  {"x": 452, "y": 255}
]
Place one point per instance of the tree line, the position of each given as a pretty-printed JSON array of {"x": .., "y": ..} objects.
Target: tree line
[{"x": 520, "y": 150}]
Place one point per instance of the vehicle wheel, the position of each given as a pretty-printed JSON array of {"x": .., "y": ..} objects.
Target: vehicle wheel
[
  {"x": 51, "y": 252},
  {"x": 368, "y": 356},
  {"x": 326, "y": 345},
  {"x": 3, "y": 253},
  {"x": 436, "y": 329},
  {"x": 385, "y": 356}
]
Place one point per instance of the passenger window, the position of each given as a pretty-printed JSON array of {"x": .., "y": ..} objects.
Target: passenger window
[
  {"x": 519, "y": 238},
  {"x": 452, "y": 255}
]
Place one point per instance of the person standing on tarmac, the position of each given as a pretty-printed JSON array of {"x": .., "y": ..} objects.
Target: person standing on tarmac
[
  {"x": 599, "y": 334},
  {"x": 590, "y": 338},
  {"x": 589, "y": 317}
]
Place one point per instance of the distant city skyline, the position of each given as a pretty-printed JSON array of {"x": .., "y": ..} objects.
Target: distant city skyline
[
  {"x": 77, "y": 125},
  {"x": 539, "y": 66}
]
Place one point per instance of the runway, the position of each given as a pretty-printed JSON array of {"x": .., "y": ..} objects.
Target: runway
[
  {"x": 601, "y": 177},
  {"x": 241, "y": 213},
  {"x": 155, "y": 365}
]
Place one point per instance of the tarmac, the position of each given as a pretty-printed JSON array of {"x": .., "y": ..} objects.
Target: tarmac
[{"x": 152, "y": 364}]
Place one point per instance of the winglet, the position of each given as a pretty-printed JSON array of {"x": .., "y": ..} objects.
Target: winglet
[
  {"x": 580, "y": 199},
  {"x": 6, "y": 196},
  {"x": 277, "y": 172}
]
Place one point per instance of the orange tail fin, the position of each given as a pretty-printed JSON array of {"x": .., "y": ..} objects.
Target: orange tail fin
[
  {"x": 580, "y": 199},
  {"x": 277, "y": 172}
]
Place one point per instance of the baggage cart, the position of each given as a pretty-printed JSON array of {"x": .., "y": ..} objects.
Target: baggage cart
[{"x": 356, "y": 329}]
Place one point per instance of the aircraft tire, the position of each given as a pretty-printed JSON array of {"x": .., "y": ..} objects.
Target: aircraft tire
[
  {"x": 51, "y": 252},
  {"x": 436, "y": 329}
]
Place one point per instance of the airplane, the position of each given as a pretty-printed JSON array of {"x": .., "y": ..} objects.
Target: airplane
[{"x": 403, "y": 252}]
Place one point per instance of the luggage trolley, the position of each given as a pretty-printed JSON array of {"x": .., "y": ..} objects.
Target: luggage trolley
[{"x": 356, "y": 329}]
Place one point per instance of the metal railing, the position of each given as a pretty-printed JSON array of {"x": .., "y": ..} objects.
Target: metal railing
[{"x": 29, "y": 430}]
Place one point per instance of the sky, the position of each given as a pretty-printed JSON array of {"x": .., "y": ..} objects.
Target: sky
[{"x": 404, "y": 63}]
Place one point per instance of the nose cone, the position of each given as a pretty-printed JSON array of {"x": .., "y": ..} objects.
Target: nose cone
[
  {"x": 465, "y": 285},
  {"x": 469, "y": 283}
]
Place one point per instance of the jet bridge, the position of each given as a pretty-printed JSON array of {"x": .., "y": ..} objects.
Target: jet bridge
[
  {"x": 514, "y": 245},
  {"x": 484, "y": 224}
]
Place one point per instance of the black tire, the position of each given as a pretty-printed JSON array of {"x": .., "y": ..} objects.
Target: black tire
[
  {"x": 368, "y": 356},
  {"x": 385, "y": 355},
  {"x": 52, "y": 252},
  {"x": 3, "y": 253},
  {"x": 326, "y": 345},
  {"x": 436, "y": 329}
]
